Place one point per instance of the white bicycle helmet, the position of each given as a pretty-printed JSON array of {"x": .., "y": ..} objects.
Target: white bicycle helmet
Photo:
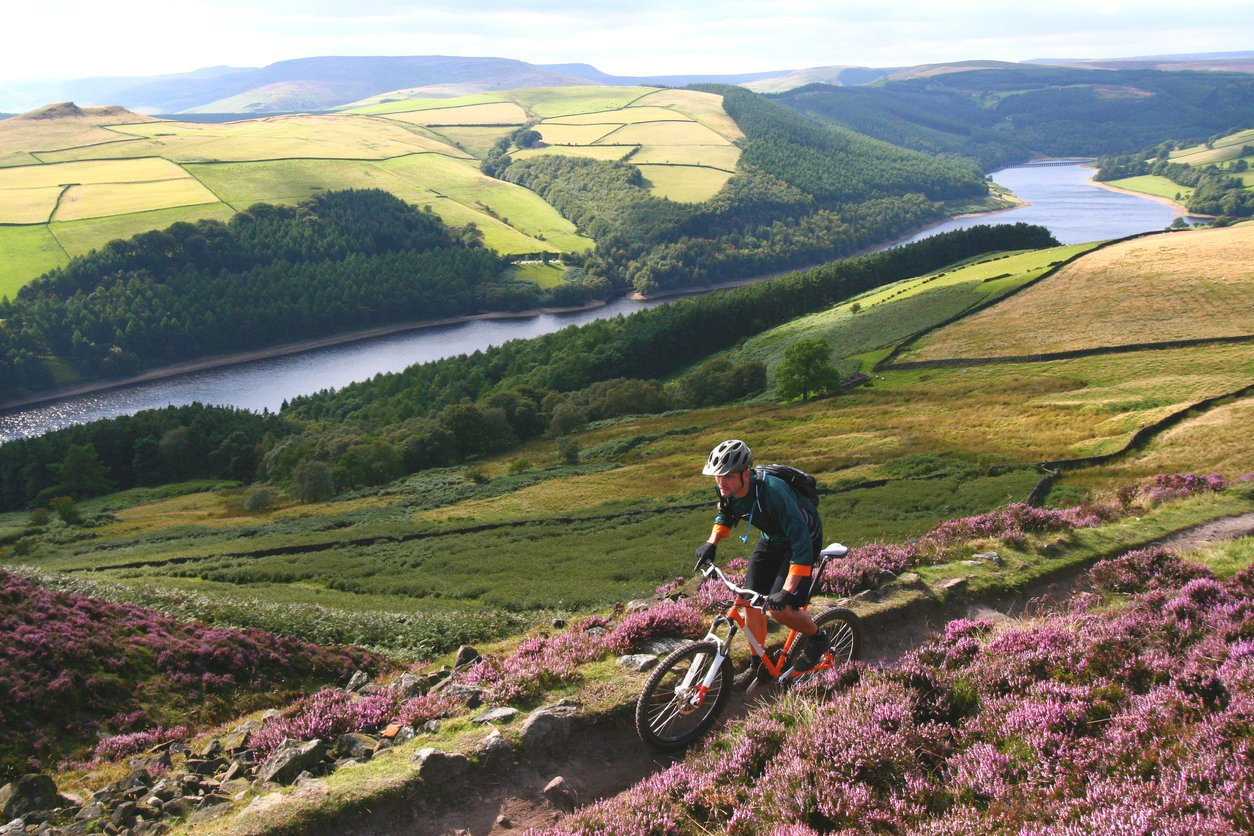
[{"x": 729, "y": 457}]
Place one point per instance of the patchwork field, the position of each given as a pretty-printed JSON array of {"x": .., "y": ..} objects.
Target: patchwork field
[
  {"x": 1230, "y": 147},
  {"x": 324, "y": 136},
  {"x": 88, "y": 177}
]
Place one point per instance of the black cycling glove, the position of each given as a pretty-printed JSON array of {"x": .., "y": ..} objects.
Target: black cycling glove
[
  {"x": 781, "y": 599},
  {"x": 705, "y": 553}
]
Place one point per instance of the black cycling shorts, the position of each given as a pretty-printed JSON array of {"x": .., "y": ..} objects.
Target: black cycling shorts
[{"x": 769, "y": 564}]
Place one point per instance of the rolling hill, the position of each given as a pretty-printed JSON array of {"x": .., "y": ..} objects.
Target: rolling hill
[{"x": 907, "y": 461}]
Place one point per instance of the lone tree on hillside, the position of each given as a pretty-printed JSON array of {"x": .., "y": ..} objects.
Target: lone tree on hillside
[{"x": 805, "y": 370}]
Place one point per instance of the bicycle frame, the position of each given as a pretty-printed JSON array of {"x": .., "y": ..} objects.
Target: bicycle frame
[
  {"x": 735, "y": 620},
  {"x": 687, "y": 691}
]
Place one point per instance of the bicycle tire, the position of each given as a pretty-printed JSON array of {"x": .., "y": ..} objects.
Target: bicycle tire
[
  {"x": 667, "y": 720},
  {"x": 844, "y": 628}
]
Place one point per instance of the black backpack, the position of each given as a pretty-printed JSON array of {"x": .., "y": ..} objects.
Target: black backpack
[{"x": 797, "y": 479}]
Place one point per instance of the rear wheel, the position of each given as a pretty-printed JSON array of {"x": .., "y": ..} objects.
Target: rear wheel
[
  {"x": 674, "y": 709},
  {"x": 845, "y": 631}
]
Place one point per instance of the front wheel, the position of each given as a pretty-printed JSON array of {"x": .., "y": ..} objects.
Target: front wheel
[
  {"x": 675, "y": 708},
  {"x": 845, "y": 631}
]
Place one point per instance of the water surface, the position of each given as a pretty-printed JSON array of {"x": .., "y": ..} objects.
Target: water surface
[{"x": 1059, "y": 198}]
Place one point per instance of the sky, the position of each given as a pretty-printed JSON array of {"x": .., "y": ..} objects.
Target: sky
[{"x": 60, "y": 39}]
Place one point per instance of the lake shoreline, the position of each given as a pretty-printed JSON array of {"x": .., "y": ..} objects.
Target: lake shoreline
[{"x": 48, "y": 396}]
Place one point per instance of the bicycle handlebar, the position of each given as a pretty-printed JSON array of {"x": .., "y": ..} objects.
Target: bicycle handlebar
[{"x": 750, "y": 596}]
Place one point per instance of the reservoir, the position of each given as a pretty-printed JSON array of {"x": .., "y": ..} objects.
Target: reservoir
[{"x": 1058, "y": 197}]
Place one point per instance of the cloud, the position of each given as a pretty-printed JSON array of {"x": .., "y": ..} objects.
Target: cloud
[{"x": 75, "y": 38}]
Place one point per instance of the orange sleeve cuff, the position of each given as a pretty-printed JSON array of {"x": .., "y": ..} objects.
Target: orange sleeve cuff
[
  {"x": 800, "y": 570},
  {"x": 719, "y": 532}
]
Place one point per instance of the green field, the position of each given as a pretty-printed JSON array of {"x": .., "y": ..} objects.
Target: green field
[
  {"x": 863, "y": 328},
  {"x": 1152, "y": 184},
  {"x": 92, "y": 177},
  {"x": 1184, "y": 285},
  {"x": 83, "y": 236},
  {"x": 28, "y": 251}
]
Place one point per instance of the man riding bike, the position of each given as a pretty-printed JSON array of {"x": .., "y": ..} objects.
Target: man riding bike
[{"x": 784, "y": 557}]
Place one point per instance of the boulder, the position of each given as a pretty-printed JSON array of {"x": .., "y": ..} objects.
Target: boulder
[
  {"x": 499, "y": 714},
  {"x": 410, "y": 685},
  {"x": 560, "y": 794},
  {"x": 436, "y": 767},
  {"x": 545, "y": 729},
  {"x": 466, "y": 655},
  {"x": 357, "y": 681},
  {"x": 638, "y": 662},
  {"x": 241, "y": 736},
  {"x": 32, "y": 793},
  {"x": 496, "y": 751},
  {"x": 472, "y": 697},
  {"x": 291, "y": 759},
  {"x": 356, "y": 745},
  {"x": 664, "y": 646}
]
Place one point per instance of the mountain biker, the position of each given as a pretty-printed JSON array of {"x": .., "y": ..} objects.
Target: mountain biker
[{"x": 784, "y": 556}]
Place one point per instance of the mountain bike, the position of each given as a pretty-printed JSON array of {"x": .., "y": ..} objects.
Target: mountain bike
[{"x": 689, "y": 689}]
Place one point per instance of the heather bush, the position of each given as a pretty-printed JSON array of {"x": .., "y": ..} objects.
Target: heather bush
[
  {"x": 538, "y": 664},
  {"x": 668, "y": 618},
  {"x": 119, "y": 746},
  {"x": 1168, "y": 486},
  {"x": 72, "y": 666},
  {"x": 1142, "y": 570},
  {"x": 866, "y": 567},
  {"x": 1134, "y": 719},
  {"x": 332, "y": 712}
]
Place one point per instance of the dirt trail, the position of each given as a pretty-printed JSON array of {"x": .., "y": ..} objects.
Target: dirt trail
[{"x": 606, "y": 759}]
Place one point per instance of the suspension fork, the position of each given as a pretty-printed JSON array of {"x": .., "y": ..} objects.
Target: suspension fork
[{"x": 724, "y": 648}]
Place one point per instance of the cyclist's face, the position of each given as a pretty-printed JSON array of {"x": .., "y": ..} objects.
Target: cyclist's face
[{"x": 733, "y": 484}]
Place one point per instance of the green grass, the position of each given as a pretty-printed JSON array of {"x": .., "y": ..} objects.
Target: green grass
[
  {"x": 548, "y": 102},
  {"x": 544, "y": 275},
  {"x": 889, "y": 314},
  {"x": 29, "y": 251},
  {"x": 377, "y": 106},
  {"x": 1154, "y": 185},
  {"x": 684, "y": 183},
  {"x": 82, "y": 236}
]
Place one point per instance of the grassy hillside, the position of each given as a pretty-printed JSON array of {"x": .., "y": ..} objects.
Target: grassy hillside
[
  {"x": 1187, "y": 286},
  {"x": 921, "y": 468},
  {"x": 95, "y": 177},
  {"x": 898, "y": 455}
]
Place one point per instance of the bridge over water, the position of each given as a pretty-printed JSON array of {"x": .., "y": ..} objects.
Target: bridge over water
[{"x": 1044, "y": 163}]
